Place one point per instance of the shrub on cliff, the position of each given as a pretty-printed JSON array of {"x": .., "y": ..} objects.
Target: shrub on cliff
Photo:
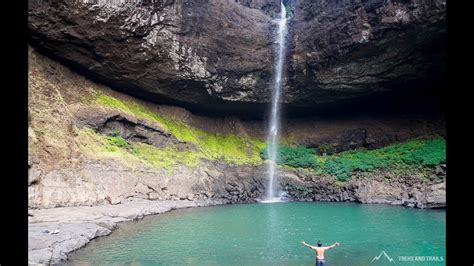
[
  {"x": 299, "y": 157},
  {"x": 412, "y": 154},
  {"x": 406, "y": 155},
  {"x": 115, "y": 140}
]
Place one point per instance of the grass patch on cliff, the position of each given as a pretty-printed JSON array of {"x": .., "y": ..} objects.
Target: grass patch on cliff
[
  {"x": 104, "y": 146},
  {"x": 413, "y": 154},
  {"x": 165, "y": 158},
  {"x": 133, "y": 154},
  {"x": 231, "y": 148},
  {"x": 114, "y": 140}
]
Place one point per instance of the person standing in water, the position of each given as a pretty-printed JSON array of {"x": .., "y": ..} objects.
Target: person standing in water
[{"x": 319, "y": 250}]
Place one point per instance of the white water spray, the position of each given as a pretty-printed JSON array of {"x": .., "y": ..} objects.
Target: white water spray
[{"x": 274, "y": 126}]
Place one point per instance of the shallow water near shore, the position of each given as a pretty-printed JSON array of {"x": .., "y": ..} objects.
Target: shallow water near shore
[{"x": 270, "y": 234}]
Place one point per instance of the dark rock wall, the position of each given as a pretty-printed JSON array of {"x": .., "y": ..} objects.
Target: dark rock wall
[
  {"x": 345, "y": 133},
  {"x": 269, "y": 7},
  {"x": 189, "y": 51},
  {"x": 345, "y": 49},
  {"x": 217, "y": 55}
]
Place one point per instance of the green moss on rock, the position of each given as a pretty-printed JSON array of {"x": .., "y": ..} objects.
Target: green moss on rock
[{"x": 231, "y": 148}]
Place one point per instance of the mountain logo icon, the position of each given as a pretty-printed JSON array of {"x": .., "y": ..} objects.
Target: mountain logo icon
[{"x": 383, "y": 253}]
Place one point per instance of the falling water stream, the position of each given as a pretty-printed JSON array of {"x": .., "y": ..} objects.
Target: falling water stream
[{"x": 274, "y": 127}]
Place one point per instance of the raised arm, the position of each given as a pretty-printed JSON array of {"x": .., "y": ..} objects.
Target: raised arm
[
  {"x": 304, "y": 244},
  {"x": 333, "y": 245}
]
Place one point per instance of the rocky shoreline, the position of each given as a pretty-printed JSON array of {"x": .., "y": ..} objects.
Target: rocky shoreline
[
  {"x": 54, "y": 233},
  {"x": 379, "y": 187}
]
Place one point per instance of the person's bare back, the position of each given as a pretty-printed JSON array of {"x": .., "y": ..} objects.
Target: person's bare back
[{"x": 319, "y": 250}]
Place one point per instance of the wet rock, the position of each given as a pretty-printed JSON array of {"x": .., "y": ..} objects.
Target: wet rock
[
  {"x": 407, "y": 191},
  {"x": 154, "y": 196},
  {"x": 436, "y": 196}
]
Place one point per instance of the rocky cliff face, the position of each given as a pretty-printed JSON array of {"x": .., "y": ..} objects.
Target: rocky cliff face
[
  {"x": 84, "y": 150},
  {"x": 197, "y": 52},
  {"x": 344, "y": 49},
  {"x": 217, "y": 55}
]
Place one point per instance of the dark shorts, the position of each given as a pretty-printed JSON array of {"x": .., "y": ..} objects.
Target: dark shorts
[{"x": 320, "y": 262}]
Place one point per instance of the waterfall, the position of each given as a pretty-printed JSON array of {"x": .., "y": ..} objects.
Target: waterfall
[{"x": 274, "y": 126}]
